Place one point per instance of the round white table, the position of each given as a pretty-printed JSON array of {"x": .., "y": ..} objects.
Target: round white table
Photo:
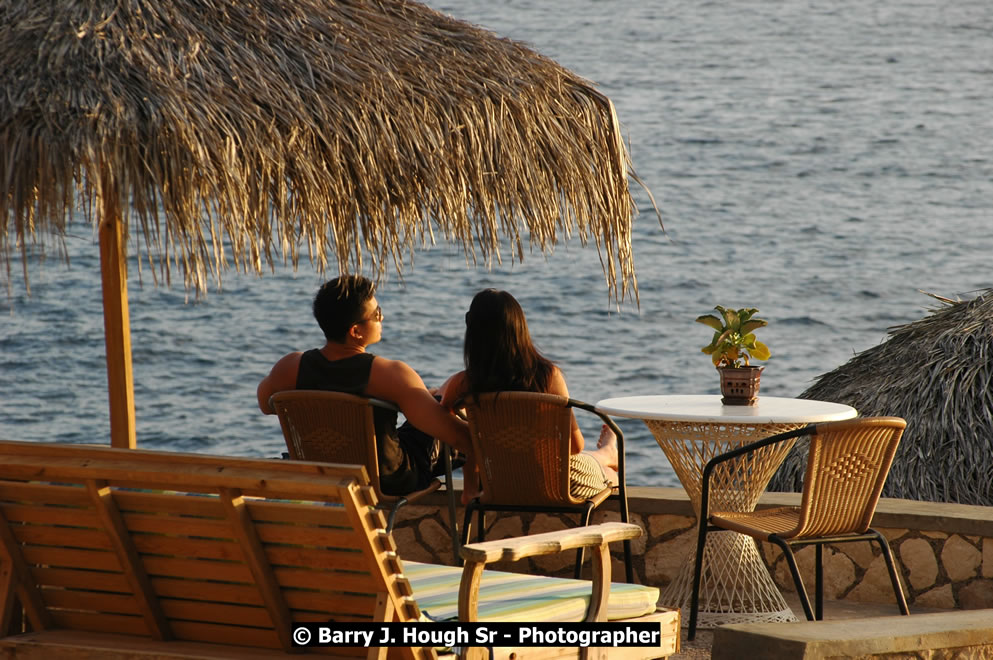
[{"x": 691, "y": 429}]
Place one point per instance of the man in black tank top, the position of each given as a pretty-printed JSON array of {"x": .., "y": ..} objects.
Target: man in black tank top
[{"x": 351, "y": 319}]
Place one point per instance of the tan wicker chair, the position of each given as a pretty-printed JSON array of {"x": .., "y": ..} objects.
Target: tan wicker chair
[
  {"x": 521, "y": 442},
  {"x": 847, "y": 465},
  {"x": 334, "y": 427}
]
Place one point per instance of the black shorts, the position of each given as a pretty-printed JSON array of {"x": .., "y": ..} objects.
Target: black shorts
[{"x": 423, "y": 452}]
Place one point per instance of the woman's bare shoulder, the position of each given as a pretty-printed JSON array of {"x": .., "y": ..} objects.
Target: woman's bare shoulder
[{"x": 556, "y": 383}]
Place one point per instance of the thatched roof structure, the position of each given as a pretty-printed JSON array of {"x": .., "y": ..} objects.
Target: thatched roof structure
[
  {"x": 356, "y": 128},
  {"x": 937, "y": 373},
  {"x": 240, "y": 131}
]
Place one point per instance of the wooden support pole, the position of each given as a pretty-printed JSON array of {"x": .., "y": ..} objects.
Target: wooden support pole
[{"x": 117, "y": 326}]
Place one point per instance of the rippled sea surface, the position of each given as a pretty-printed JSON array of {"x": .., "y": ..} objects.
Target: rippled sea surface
[{"x": 821, "y": 161}]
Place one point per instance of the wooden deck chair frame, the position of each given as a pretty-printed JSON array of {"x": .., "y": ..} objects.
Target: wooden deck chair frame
[
  {"x": 336, "y": 427},
  {"x": 847, "y": 465},
  {"x": 552, "y": 462},
  {"x": 127, "y": 553}
]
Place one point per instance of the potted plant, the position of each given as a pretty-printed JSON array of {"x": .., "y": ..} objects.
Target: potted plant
[{"x": 734, "y": 343}]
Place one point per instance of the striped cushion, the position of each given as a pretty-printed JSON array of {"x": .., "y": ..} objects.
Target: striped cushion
[
  {"x": 517, "y": 597},
  {"x": 586, "y": 476}
]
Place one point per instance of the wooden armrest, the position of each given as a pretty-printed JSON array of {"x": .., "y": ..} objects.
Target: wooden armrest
[
  {"x": 520, "y": 547},
  {"x": 477, "y": 555}
]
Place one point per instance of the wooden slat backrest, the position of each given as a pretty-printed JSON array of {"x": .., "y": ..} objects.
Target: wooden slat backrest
[{"x": 202, "y": 548}]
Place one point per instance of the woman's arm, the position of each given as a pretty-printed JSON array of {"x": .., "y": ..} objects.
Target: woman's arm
[
  {"x": 452, "y": 390},
  {"x": 557, "y": 386}
]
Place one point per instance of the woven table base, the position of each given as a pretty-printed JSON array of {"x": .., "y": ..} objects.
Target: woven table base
[{"x": 736, "y": 586}]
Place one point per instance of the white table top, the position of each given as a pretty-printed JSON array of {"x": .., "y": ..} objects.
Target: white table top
[{"x": 708, "y": 408}]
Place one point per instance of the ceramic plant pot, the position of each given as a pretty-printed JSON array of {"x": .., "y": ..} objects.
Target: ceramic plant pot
[{"x": 740, "y": 385}]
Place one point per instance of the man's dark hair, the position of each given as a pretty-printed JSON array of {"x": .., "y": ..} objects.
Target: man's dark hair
[{"x": 339, "y": 304}]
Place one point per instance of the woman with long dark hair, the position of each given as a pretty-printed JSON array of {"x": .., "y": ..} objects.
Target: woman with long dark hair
[{"x": 500, "y": 357}]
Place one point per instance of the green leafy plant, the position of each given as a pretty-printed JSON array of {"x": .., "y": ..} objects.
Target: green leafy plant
[{"x": 734, "y": 340}]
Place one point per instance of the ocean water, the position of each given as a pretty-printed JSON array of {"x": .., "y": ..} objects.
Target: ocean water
[{"x": 824, "y": 162}]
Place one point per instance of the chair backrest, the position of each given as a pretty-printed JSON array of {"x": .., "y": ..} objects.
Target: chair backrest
[
  {"x": 847, "y": 466},
  {"x": 330, "y": 427},
  {"x": 521, "y": 442},
  {"x": 191, "y": 547}
]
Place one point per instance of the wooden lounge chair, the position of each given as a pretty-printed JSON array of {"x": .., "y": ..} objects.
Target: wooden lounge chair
[
  {"x": 522, "y": 446},
  {"x": 117, "y": 553},
  {"x": 334, "y": 427},
  {"x": 847, "y": 465}
]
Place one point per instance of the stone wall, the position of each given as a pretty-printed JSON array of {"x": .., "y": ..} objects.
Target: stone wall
[{"x": 945, "y": 551}]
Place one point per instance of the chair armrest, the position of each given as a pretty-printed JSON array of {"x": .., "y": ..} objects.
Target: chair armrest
[
  {"x": 521, "y": 547},
  {"x": 621, "y": 477},
  {"x": 712, "y": 464},
  {"x": 383, "y": 403},
  {"x": 477, "y": 555},
  {"x": 574, "y": 403}
]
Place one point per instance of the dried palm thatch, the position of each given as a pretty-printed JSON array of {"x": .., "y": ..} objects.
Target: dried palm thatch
[
  {"x": 235, "y": 132},
  {"x": 937, "y": 373}
]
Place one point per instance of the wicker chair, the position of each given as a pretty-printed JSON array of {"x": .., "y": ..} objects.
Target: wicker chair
[
  {"x": 333, "y": 427},
  {"x": 521, "y": 442},
  {"x": 847, "y": 465}
]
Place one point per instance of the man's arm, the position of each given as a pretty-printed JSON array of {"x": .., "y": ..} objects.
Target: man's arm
[
  {"x": 396, "y": 381},
  {"x": 282, "y": 377}
]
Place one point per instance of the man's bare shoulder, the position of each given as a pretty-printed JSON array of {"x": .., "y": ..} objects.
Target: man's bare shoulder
[
  {"x": 389, "y": 375},
  {"x": 289, "y": 359},
  {"x": 282, "y": 376},
  {"x": 392, "y": 366}
]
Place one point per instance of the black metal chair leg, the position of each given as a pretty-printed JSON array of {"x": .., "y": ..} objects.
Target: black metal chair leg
[
  {"x": 697, "y": 574},
  {"x": 393, "y": 514},
  {"x": 577, "y": 573},
  {"x": 580, "y": 553},
  {"x": 819, "y": 582},
  {"x": 481, "y": 521},
  {"x": 452, "y": 515},
  {"x": 628, "y": 563},
  {"x": 795, "y": 572},
  {"x": 470, "y": 509},
  {"x": 901, "y": 600}
]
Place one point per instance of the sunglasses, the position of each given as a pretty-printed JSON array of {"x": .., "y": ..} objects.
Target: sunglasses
[{"x": 377, "y": 316}]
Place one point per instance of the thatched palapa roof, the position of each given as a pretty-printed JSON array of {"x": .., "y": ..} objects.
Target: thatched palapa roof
[
  {"x": 937, "y": 373},
  {"x": 351, "y": 130},
  {"x": 247, "y": 131}
]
